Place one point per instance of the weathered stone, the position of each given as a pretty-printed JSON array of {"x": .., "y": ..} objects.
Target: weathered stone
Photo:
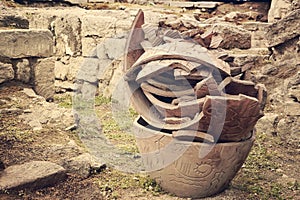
[
  {"x": 63, "y": 86},
  {"x": 60, "y": 71},
  {"x": 292, "y": 108},
  {"x": 295, "y": 80},
  {"x": 111, "y": 78},
  {"x": 6, "y": 72},
  {"x": 238, "y": 16},
  {"x": 284, "y": 29},
  {"x": 13, "y": 21},
  {"x": 43, "y": 72},
  {"x": 100, "y": 1},
  {"x": 287, "y": 55},
  {"x": 89, "y": 45},
  {"x": 40, "y": 20},
  {"x": 267, "y": 124},
  {"x": 295, "y": 4},
  {"x": 29, "y": 92},
  {"x": 83, "y": 165},
  {"x": 250, "y": 59},
  {"x": 289, "y": 128},
  {"x": 89, "y": 70},
  {"x": 115, "y": 48},
  {"x": 31, "y": 175},
  {"x": 233, "y": 37},
  {"x": 73, "y": 67},
  {"x": 23, "y": 71},
  {"x": 67, "y": 35},
  {"x": 77, "y": 1},
  {"x": 294, "y": 93},
  {"x": 255, "y": 26},
  {"x": 20, "y": 43},
  {"x": 123, "y": 25},
  {"x": 269, "y": 69},
  {"x": 278, "y": 10},
  {"x": 99, "y": 26},
  {"x": 182, "y": 4}
]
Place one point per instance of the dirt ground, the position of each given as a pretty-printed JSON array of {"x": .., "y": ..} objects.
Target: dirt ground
[{"x": 270, "y": 172}]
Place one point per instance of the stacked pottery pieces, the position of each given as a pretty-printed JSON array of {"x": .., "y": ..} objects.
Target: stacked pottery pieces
[{"x": 183, "y": 88}]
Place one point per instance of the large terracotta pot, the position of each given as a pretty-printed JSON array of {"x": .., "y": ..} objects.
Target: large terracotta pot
[{"x": 187, "y": 168}]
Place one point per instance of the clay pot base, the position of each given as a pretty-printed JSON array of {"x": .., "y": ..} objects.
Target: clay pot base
[{"x": 186, "y": 168}]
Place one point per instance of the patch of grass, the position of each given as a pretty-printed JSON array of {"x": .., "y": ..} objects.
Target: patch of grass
[
  {"x": 100, "y": 100},
  {"x": 258, "y": 176},
  {"x": 112, "y": 183},
  {"x": 64, "y": 101},
  {"x": 116, "y": 125},
  {"x": 118, "y": 136}
]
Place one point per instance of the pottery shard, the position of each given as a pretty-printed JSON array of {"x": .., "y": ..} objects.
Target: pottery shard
[
  {"x": 44, "y": 77},
  {"x": 20, "y": 43},
  {"x": 6, "y": 72},
  {"x": 181, "y": 110},
  {"x": 234, "y": 86},
  {"x": 31, "y": 175},
  {"x": 133, "y": 48},
  {"x": 233, "y": 117},
  {"x": 179, "y": 50},
  {"x": 284, "y": 29}
]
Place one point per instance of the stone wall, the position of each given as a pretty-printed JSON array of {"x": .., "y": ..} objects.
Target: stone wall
[
  {"x": 77, "y": 33},
  {"x": 60, "y": 39},
  {"x": 26, "y": 55}
]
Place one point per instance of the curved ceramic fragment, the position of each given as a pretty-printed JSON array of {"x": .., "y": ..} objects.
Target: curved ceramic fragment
[
  {"x": 234, "y": 86},
  {"x": 179, "y": 50},
  {"x": 133, "y": 48},
  {"x": 166, "y": 93},
  {"x": 229, "y": 118},
  {"x": 191, "y": 135},
  {"x": 207, "y": 86},
  {"x": 183, "y": 109}
]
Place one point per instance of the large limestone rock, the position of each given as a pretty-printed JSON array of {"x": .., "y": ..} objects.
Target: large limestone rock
[
  {"x": 281, "y": 8},
  {"x": 67, "y": 35},
  {"x": 43, "y": 72},
  {"x": 83, "y": 165},
  {"x": 6, "y": 72},
  {"x": 31, "y": 175},
  {"x": 284, "y": 30},
  {"x": 233, "y": 37},
  {"x": 100, "y": 26},
  {"x": 20, "y": 43}
]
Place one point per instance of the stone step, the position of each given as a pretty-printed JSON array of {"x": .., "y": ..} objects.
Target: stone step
[
  {"x": 256, "y": 43},
  {"x": 255, "y": 26},
  {"x": 31, "y": 175},
  {"x": 184, "y": 4},
  {"x": 21, "y": 43},
  {"x": 249, "y": 57}
]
